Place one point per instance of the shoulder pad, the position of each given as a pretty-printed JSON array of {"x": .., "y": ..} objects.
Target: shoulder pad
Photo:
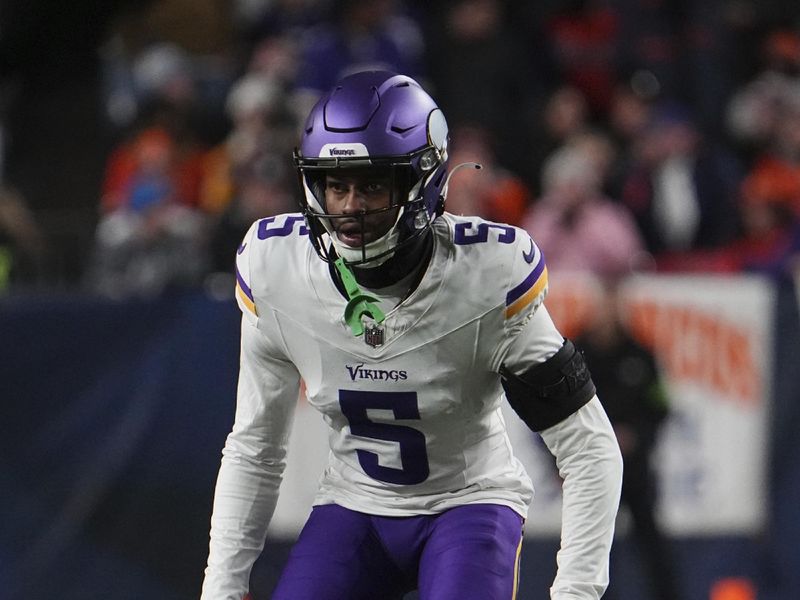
[
  {"x": 527, "y": 287},
  {"x": 244, "y": 292},
  {"x": 271, "y": 242},
  {"x": 510, "y": 253}
]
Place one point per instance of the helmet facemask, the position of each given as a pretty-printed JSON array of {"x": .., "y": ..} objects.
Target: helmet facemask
[
  {"x": 381, "y": 122},
  {"x": 407, "y": 182}
]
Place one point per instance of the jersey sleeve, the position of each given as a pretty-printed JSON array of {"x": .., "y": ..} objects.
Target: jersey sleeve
[
  {"x": 254, "y": 456},
  {"x": 525, "y": 290},
  {"x": 244, "y": 288},
  {"x": 589, "y": 461},
  {"x": 537, "y": 340},
  {"x": 527, "y": 287}
]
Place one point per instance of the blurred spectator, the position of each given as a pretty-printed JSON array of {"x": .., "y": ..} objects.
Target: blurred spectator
[
  {"x": 22, "y": 244},
  {"x": 145, "y": 73},
  {"x": 249, "y": 175},
  {"x": 770, "y": 240},
  {"x": 479, "y": 73},
  {"x": 164, "y": 72},
  {"x": 631, "y": 105},
  {"x": 493, "y": 193},
  {"x": 275, "y": 58},
  {"x": 770, "y": 206},
  {"x": 785, "y": 145},
  {"x": 128, "y": 167},
  {"x": 261, "y": 124},
  {"x": 577, "y": 228},
  {"x": 565, "y": 114},
  {"x": 630, "y": 113},
  {"x": 150, "y": 237},
  {"x": 629, "y": 386},
  {"x": 773, "y": 181},
  {"x": 180, "y": 92},
  {"x": 708, "y": 62},
  {"x": 583, "y": 38},
  {"x": 168, "y": 125},
  {"x": 680, "y": 188},
  {"x": 262, "y": 190},
  {"x": 360, "y": 36},
  {"x": 599, "y": 148},
  {"x": 259, "y": 20},
  {"x": 686, "y": 47},
  {"x": 756, "y": 111}
]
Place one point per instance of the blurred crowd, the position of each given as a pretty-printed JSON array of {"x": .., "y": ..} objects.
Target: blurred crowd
[{"x": 623, "y": 134}]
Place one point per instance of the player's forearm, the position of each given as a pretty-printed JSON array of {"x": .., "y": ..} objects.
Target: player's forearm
[
  {"x": 589, "y": 460},
  {"x": 244, "y": 501}
]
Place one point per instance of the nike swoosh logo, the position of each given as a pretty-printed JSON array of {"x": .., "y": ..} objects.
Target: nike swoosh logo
[
  {"x": 528, "y": 256},
  {"x": 243, "y": 246}
]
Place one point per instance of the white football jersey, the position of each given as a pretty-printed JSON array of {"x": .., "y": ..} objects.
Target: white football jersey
[{"x": 413, "y": 404}]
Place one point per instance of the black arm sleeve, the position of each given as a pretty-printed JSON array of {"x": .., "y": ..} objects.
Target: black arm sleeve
[{"x": 551, "y": 391}]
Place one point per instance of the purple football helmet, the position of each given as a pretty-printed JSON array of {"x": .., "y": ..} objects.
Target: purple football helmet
[{"x": 381, "y": 120}]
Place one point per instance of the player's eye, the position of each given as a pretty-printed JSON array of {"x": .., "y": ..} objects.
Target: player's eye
[
  {"x": 375, "y": 187},
  {"x": 336, "y": 187}
]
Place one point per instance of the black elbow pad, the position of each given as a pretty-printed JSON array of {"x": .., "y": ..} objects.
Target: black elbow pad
[{"x": 551, "y": 391}]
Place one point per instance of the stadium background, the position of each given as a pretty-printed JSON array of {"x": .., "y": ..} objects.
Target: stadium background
[{"x": 114, "y": 410}]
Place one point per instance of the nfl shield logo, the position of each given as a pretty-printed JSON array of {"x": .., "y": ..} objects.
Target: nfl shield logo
[{"x": 373, "y": 335}]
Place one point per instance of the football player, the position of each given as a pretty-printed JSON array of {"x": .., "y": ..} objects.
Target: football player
[{"x": 410, "y": 327}]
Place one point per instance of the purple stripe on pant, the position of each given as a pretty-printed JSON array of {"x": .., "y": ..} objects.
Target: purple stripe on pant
[{"x": 465, "y": 553}]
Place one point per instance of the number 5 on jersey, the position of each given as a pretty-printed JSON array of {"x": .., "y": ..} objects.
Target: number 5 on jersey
[{"x": 413, "y": 454}]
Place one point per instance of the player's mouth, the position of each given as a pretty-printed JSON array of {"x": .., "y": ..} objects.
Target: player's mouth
[{"x": 351, "y": 234}]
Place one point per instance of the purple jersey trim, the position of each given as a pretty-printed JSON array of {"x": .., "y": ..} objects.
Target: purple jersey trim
[
  {"x": 245, "y": 288},
  {"x": 527, "y": 284}
]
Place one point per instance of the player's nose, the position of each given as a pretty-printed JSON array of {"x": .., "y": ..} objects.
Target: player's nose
[{"x": 353, "y": 201}]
